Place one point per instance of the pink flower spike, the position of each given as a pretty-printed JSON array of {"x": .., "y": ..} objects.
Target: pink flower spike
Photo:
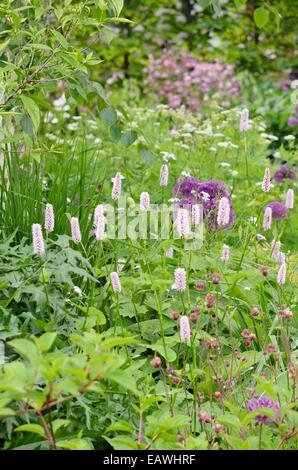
[
  {"x": 267, "y": 218},
  {"x": 100, "y": 228},
  {"x": 223, "y": 214},
  {"x": 116, "y": 191},
  {"x": 180, "y": 280},
  {"x": 225, "y": 254},
  {"x": 170, "y": 252},
  {"x": 115, "y": 281},
  {"x": 290, "y": 199},
  {"x": 164, "y": 175},
  {"x": 266, "y": 181},
  {"x": 197, "y": 214},
  {"x": 98, "y": 212},
  {"x": 182, "y": 222},
  {"x": 144, "y": 202},
  {"x": 38, "y": 243},
  {"x": 75, "y": 230},
  {"x": 281, "y": 275},
  {"x": 244, "y": 120},
  {"x": 49, "y": 221},
  {"x": 185, "y": 333}
]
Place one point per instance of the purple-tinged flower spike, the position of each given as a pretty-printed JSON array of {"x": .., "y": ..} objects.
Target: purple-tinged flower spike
[
  {"x": 197, "y": 214},
  {"x": 264, "y": 402},
  {"x": 180, "y": 280},
  {"x": 182, "y": 222},
  {"x": 116, "y": 191},
  {"x": 244, "y": 120},
  {"x": 116, "y": 284},
  {"x": 281, "y": 258},
  {"x": 144, "y": 202},
  {"x": 281, "y": 275},
  {"x": 267, "y": 218},
  {"x": 75, "y": 230},
  {"x": 170, "y": 252},
  {"x": 98, "y": 212},
  {"x": 185, "y": 333},
  {"x": 275, "y": 245},
  {"x": 266, "y": 181},
  {"x": 164, "y": 175},
  {"x": 225, "y": 254},
  {"x": 49, "y": 220},
  {"x": 290, "y": 199},
  {"x": 223, "y": 214},
  {"x": 38, "y": 243},
  {"x": 100, "y": 228}
]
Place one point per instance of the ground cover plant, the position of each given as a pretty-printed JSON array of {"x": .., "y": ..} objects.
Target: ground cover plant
[{"x": 148, "y": 246}]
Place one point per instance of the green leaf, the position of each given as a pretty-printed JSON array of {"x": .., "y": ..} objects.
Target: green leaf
[
  {"x": 240, "y": 3},
  {"x": 3, "y": 45},
  {"x": 45, "y": 341},
  {"x": 109, "y": 116},
  {"x": 60, "y": 38},
  {"x": 261, "y": 17},
  {"x": 26, "y": 348},
  {"x": 115, "y": 132},
  {"x": 94, "y": 312},
  {"x": 74, "y": 444},
  {"x": 32, "y": 109},
  {"x": 35, "y": 428},
  {"x": 128, "y": 138},
  {"x": 117, "y": 6}
]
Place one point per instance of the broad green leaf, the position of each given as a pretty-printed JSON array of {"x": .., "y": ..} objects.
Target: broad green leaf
[
  {"x": 26, "y": 348},
  {"x": 60, "y": 38},
  {"x": 261, "y": 17},
  {"x": 74, "y": 444},
  {"x": 109, "y": 116},
  {"x": 94, "y": 312},
  {"x": 45, "y": 341},
  {"x": 128, "y": 138},
  {"x": 32, "y": 109},
  {"x": 35, "y": 428}
]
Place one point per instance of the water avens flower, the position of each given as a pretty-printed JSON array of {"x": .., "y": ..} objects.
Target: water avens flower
[
  {"x": 225, "y": 254},
  {"x": 182, "y": 222},
  {"x": 185, "y": 333},
  {"x": 267, "y": 218},
  {"x": 144, "y": 202},
  {"x": 244, "y": 117},
  {"x": 264, "y": 402},
  {"x": 75, "y": 230},
  {"x": 116, "y": 191},
  {"x": 180, "y": 280},
  {"x": 38, "y": 243},
  {"x": 281, "y": 275},
  {"x": 100, "y": 228},
  {"x": 115, "y": 281},
  {"x": 266, "y": 181},
  {"x": 197, "y": 214},
  {"x": 49, "y": 220},
  {"x": 289, "y": 199},
  {"x": 223, "y": 214},
  {"x": 164, "y": 175}
]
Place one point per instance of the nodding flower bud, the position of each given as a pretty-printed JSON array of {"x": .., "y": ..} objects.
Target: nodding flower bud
[
  {"x": 290, "y": 199},
  {"x": 197, "y": 214},
  {"x": 200, "y": 286},
  {"x": 185, "y": 333},
  {"x": 115, "y": 281},
  {"x": 264, "y": 271},
  {"x": 194, "y": 314},
  {"x": 144, "y": 202},
  {"x": 164, "y": 175},
  {"x": 267, "y": 218},
  {"x": 100, "y": 228},
  {"x": 225, "y": 254},
  {"x": 244, "y": 120},
  {"x": 223, "y": 214},
  {"x": 38, "y": 243},
  {"x": 75, "y": 230},
  {"x": 170, "y": 252},
  {"x": 49, "y": 221},
  {"x": 180, "y": 280},
  {"x": 254, "y": 311},
  {"x": 174, "y": 315},
  {"x": 116, "y": 191},
  {"x": 155, "y": 362},
  {"x": 203, "y": 415},
  {"x": 182, "y": 222},
  {"x": 210, "y": 300},
  {"x": 285, "y": 314},
  {"x": 281, "y": 275},
  {"x": 215, "y": 278},
  {"x": 266, "y": 181}
]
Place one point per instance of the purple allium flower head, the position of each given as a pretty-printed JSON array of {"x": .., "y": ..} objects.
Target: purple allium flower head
[
  {"x": 284, "y": 172},
  {"x": 191, "y": 191},
  {"x": 264, "y": 402},
  {"x": 279, "y": 210}
]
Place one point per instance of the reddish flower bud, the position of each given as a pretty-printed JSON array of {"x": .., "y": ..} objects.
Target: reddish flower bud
[
  {"x": 203, "y": 416},
  {"x": 215, "y": 278},
  {"x": 217, "y": 395},
  {"x": 174, "y": 315},
  {"x": 254, "y": 312},
  {"x": 200, "y": 286},
  {"x": 210, "y": 300},
  {"x": 155, "y": 362}
]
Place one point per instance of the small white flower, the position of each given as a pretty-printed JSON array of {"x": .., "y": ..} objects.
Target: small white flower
[
  {"x": 205, "y": 196},
  {"x": 260, "y": 237},
  {"x": 289, "y": 137},
  {"x": 77, "y": 290},
  {"x": 186, "y": 174}
]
